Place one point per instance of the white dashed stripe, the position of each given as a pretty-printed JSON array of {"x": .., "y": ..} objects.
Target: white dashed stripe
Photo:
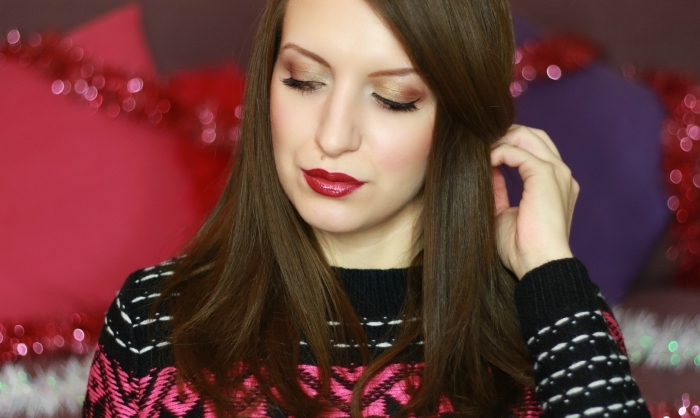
[
  {"x": 141, "y": 351},
  {"x": 152, "y": 320},
  {"x": 597, "y": 383},
  {"x": 574, "y": 391},
  {"x": 559, "y": 347},
  {"x": 580, "y": 364},
  {"x": 578, "y": 339},
  {"x": 147, "y": 277},
  {"x": 566, "y": 320},
  {"x": 125, "y": 317}
]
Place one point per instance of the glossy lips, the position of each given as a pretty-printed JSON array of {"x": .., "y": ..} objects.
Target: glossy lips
[{"x": 331, "y": 184}]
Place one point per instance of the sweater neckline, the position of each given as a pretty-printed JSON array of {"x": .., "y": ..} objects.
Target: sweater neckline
[{"x": 375, "y": 294}]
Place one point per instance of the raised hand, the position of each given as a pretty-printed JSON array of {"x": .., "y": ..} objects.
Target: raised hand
[{"x": 537, "y": 230}]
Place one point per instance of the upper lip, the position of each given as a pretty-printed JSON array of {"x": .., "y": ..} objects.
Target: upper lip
[{"x": 335, "y": 177}]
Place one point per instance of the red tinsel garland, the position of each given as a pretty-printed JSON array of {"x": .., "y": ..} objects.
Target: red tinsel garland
[
  {"x": 202, "y": 106},
  {"x": 549, "y": 58},
  {"x": 680, "y": 94},
  {"x": 30, "y": 340}
]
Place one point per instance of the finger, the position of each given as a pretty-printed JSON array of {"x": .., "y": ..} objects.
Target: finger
[
  {"x": 535, "y": 141},
  {"x": 526, "y": 162},
  {"x": 545, "y": 138},
  {"x": 499, "y": 190},
  {"x": 549, "y": 191}
]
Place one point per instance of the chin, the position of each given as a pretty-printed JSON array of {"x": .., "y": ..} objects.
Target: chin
[
  {"x": 332, "y": 225},
  {"x": 331, "y": 221}
]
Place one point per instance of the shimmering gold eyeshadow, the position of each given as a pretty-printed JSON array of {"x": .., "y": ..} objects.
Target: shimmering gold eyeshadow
[
  {"x": 307, "y": 73},
  {"x": 397, "y": 92},
  {"x": 384, "y": 86},
  {"x": 301, "y": 70}
]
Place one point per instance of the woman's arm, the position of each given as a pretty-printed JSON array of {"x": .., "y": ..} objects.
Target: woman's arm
[{"x": 581, "y": 369}]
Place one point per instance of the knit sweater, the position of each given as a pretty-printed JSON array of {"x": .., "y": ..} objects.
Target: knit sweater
[{"x": 580, "y": 364}]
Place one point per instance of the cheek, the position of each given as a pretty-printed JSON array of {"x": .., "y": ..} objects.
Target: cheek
[
  {"x": 290, "y": 121},
  {"x": 282, "y": 123},
  {"x": 404, "y": 147},
  {"x": 280, "y": 115}
]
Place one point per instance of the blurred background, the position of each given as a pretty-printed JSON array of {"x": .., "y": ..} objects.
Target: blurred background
[{"x": 116, "y": 130}]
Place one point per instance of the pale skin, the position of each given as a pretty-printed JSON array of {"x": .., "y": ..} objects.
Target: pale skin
[
  {"x": 537, "y": 230},
  {"x": 345, "y": 98}
]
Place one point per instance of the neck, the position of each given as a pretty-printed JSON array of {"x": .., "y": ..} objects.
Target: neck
[{"x": 391, "y": 245}]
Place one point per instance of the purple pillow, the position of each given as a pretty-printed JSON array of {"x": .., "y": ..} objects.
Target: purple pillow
[{"x": 607, "y": 130}]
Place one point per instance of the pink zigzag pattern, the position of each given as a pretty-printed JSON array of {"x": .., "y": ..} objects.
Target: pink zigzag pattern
[{"x": 112, "y": 392}]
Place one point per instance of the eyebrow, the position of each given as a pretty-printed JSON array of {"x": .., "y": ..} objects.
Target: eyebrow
[{"x": 400, "y": 72}]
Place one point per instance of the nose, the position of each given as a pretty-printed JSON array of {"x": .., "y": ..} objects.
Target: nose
[{"x": 337, "y": 131}]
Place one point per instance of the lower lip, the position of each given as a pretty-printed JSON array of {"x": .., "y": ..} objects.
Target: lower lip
[{"x": 330, "y": 188}]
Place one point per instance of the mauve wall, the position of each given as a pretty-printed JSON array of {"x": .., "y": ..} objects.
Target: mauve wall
[
  {"x": 651, "y": 33},
  {"x": 186, "y": 33},
  {"x": 181, "y": 33}
]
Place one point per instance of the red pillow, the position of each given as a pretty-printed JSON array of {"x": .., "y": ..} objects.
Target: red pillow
[{"x": 86, "y": 198}]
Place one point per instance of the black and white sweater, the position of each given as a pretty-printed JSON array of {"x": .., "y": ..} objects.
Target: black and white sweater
[{"x": 581, "y": 369}]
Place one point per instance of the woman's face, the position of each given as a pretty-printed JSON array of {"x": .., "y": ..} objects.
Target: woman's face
[{"x": 352, "y": 121}]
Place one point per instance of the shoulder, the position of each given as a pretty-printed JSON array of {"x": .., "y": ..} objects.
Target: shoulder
[
  {"x": 132, "y": 330},
  {"x": 142, "y": 288},
  {"x": 136, "y": 298}
]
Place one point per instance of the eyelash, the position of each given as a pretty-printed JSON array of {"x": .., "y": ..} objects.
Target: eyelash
[
  {"x": 303, "y": 86},
  {"x": 309, "y": 86}
]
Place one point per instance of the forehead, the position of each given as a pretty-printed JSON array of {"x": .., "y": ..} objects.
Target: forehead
[{"x": 341, "y": 30}]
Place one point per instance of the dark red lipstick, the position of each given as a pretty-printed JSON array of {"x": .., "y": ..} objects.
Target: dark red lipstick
[{"x": 331, "y": 184}]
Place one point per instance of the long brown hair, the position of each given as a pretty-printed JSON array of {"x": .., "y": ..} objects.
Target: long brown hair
[{"x": 254, "y": 279}]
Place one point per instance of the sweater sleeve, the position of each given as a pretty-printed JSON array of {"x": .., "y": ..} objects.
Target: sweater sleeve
[{"x": 580, "y": 366}]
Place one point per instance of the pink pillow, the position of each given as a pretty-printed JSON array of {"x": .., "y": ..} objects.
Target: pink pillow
[{"x": 85, "y": 198}]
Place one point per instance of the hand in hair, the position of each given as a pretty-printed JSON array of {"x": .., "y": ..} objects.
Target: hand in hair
[{"x": 537, "y": 230}]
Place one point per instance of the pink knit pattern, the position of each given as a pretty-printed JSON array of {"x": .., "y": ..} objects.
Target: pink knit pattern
[
  {"x": 112, "y": 392},
  {"x": 614, "y": 329}
]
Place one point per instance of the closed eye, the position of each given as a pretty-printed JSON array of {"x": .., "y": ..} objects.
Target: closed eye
[
  {"x": 395, "y": 106},
  {"x": 303, "y": 86}
]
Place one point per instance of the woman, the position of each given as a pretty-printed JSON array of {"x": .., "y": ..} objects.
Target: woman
[{"x": 364, "y": 259}]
